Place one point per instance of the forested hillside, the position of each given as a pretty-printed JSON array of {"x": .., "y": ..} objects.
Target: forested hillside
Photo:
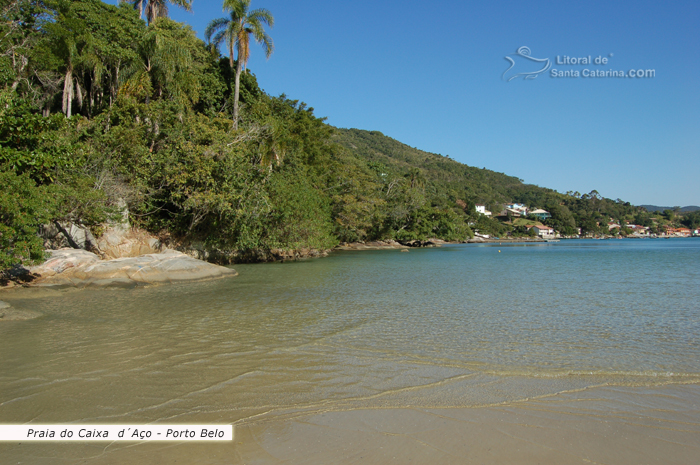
[
  {"x": 444, "y": 174},
  {"x": 449, "y": 183},
  {"x": 103, "y": 106}
]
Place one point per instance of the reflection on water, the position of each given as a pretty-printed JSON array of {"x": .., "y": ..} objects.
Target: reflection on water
[{"x": 456, "y": 326}]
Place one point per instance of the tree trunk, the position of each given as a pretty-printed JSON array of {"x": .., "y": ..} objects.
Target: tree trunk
[
  {"x": 68, "y": 93},
  {"x": 237, "y": 90},
  {"x": 67, "y": 235},
  {"x": 23, "y": 60},
  {"x": 113, "y": 86},
  {"x": 79, "y": 96}
]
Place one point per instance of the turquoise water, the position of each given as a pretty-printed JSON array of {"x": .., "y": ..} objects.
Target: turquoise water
[{"x": 460, "y": 325}]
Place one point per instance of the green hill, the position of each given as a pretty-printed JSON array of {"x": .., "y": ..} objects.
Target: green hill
[
  {"x": 450, "y": 184},
  {"x": 655, "y": 208},
  {"x": 445, "y": 176}
]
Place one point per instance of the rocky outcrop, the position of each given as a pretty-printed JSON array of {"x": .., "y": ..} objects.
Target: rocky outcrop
[
  {"x": 201, "y": 252},
  {"x": 373, "y": 245},
  {"x": 390, "y": 244},
  {"x": 7, "y": 313},
  {"x": 59, "y": 235},
  {"x": 426, "y": 243},
  {"x": 120, "y": 242},
  {"x": 117, "y": 241},
  {"x": 295, "y": 254},
  {"x": 80, "y": 268}
]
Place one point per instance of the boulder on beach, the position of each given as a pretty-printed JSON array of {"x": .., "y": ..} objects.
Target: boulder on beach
[{"x": 80, "y": 268}]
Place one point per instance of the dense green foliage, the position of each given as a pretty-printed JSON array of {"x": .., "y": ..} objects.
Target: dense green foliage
[
  {"x": 457, "y": 186},
  {"x": 22, "y": 208},
  {"x": 98, "y": 108},
  {"x": 691, "y": 220}
]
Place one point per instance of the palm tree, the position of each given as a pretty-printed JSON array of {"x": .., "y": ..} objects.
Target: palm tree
[
  {"x": 415, "y": 178},
  {"x": 236, "y": 32},
  {"x": 72, "y": 42},
  {"x": 163, "y": 65},
  {"x": 157, "y": 8}
]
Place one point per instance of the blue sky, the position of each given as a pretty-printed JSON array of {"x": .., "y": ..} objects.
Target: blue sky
[{"x": 429, "y": 74}]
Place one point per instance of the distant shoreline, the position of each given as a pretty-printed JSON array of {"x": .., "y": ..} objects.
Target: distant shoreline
[{"x": 391, "y": 244}]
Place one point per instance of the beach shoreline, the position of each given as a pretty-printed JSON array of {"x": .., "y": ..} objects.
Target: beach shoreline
[
  {"x": 605, "y": 424},
  {"x": 595, "y": 425}
]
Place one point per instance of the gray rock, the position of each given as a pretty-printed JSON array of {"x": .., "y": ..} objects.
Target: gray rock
[
  {"x": 374, "y": 245},
  {"x": 120, "y": 241},
  {"x": 57, "y": 235},
  {"x": 79, "y": 268}
]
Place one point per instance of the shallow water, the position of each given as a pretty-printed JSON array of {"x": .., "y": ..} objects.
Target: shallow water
[{"x": 459, "y": 326}]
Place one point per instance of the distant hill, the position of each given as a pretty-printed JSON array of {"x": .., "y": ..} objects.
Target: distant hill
[
  {"x": 444, "y": 175},
  {"x": 654, "y": 208},
  {"x": 446, "y": 184},
  {"x": 447, "y": 177}
]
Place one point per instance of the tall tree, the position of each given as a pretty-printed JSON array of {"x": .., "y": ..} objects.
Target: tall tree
[
  {"x": 73, "y": 44},
  {"x": 157, "y": 8},
  {"x": 166, "y": 64},
  {"x": 236, "y": 32}
]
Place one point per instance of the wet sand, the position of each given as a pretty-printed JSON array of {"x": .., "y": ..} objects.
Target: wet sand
[
  {"x": 604, "y": 425},
  {"x": 600, "y": 425}
]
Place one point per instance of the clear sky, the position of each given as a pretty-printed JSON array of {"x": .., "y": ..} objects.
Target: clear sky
[{"x": 430, "y": 74}]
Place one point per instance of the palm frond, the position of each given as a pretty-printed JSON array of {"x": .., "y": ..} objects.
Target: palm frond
[
  {"x": 158, "y": 8},
  {"x": 184, "y": 4},
  {"x": 261, "y": 15},
  {"x": 261, "y": 37},
  {"x": 239, "y": 8},
  {"x": 215, "y": 25},
  {"x": 138, "y": 85},
  {"x": 220, "y": 38}
]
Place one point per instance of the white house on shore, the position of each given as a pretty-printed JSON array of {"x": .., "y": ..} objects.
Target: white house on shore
[
  {"x": 482, "y": 209},
  {"x": 545, "y": 232}
]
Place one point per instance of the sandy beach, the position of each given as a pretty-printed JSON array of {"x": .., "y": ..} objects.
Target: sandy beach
[
  {"x": 605, "y": 425},
  {"x": 601, "y": 425}
]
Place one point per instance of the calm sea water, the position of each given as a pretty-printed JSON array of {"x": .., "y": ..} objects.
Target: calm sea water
[{"x": 459, "y": 325}]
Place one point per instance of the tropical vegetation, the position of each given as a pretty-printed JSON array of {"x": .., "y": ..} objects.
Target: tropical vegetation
[
  {"x": 236, "y": 32},
  {"x": 99, "y": 108},
  {"x": 156, "y": 8}
]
